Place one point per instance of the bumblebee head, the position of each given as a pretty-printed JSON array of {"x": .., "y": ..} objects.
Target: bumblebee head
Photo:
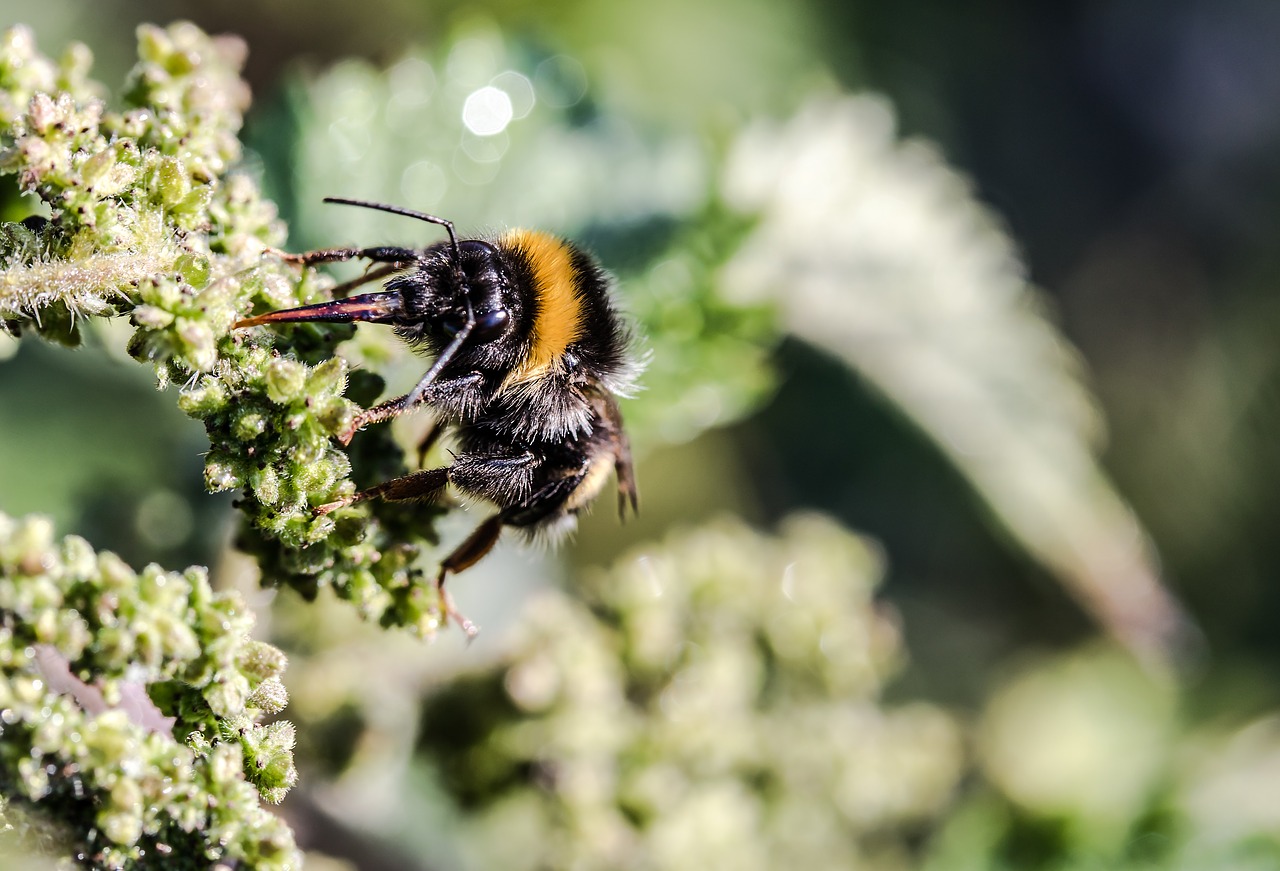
[
  {"x": 459, "y": 298},
  {"x": 443, "y": 295}
]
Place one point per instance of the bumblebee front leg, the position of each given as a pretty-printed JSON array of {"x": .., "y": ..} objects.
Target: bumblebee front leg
[
  {"x": 394, "y": 259},
  {"x": 380, "y": 254}
]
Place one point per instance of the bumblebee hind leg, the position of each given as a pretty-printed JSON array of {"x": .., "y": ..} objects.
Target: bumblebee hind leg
[
  {"x": 628, "y": 493},
  {"x": 476, "y": 546},
  {"x": 620, "y": 447},
  {"x": 536, "y": 508}
]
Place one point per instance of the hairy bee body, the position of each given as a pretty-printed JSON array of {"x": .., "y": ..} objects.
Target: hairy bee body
[
  {"x": 529, "y": 357},
  {"x": 533, "y": 413}
]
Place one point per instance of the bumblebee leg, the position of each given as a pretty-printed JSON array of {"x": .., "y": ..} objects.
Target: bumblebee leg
[
  {"x": 628, "y": 494},
  {"x": 398, "y": 406},
  {"x": 380, "y": 412},
  {"x": 534, "y": 507},
  {"x": 395, "y": 259},
  {"x": 463, "y": 557},
  {"x": 427, "y": 485},
  {"x": 501, "y": 473},
  {"x": 381, "y": 254}
]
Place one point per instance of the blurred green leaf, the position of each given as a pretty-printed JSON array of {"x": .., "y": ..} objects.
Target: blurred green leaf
[{"x": 877, "y": 251}]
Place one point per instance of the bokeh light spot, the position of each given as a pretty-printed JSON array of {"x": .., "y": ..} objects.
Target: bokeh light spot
[
  {"x": 487, "y": 111},
  {"x": 164, "y": 519},
  {"x": 561, "y": 81},
  {"x": 423, "y": 183},
  {"x": 518, "y": 87}
]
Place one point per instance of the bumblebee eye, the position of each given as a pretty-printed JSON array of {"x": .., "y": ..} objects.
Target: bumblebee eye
[{"x": 490, "y": 325}]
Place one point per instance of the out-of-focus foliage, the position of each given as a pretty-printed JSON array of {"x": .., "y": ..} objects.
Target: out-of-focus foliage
[
  {"x": 1110, "y": 727},
  {"x": 1090, "y": 765},
  {"x": 100, "y": 666},
  {"x": 876, "y": 251},
  {"x": 710, "y": 702}
]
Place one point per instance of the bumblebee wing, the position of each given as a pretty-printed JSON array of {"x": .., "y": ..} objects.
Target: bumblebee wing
[{"x": 624, "y": 469}]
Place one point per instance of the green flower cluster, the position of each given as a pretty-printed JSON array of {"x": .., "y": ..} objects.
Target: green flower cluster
[
  {"x": 124, "y": 187},
  {"x": 150, "y": 216},
  {"x": 711, "y": 703},
  {"x": 99, "y": 667}
]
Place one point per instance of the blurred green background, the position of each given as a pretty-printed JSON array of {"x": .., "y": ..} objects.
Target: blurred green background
[{"x": 1131, "y": 150}]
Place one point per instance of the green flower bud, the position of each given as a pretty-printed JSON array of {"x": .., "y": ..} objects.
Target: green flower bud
[
  {"x": 208, "y": 398},
  {"x": 227, "y": 762},
  {"x": 152, "y": 317},
  {"x": 262, "y": 660},
  {"x": 249, "y": 424},
  {"x": 198, "y": 343},
  {"x": 194, "y": 270},
  {"x": 122, "y": 828},
  {"x": 285, "y": 380},
  {"x": 220, "y": 475},
  {"x": 228, "y": 695},
  {"x": 266, "y": 485},
  {"x": 328, "y": 378},
  {"x": 97, "y": 166},
  {"x": 172, "y": 182},
  {"x": 270, "y": 697}
]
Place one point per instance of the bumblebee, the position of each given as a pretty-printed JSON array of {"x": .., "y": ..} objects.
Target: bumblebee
[{"x": 529, "y": 358}]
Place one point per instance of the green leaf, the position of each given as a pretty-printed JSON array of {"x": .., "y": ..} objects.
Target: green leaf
[{"x": 877, "y": 251}]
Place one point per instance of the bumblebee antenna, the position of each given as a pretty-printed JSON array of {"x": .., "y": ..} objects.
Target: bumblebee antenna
[{"x": 408, "y": 213}]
